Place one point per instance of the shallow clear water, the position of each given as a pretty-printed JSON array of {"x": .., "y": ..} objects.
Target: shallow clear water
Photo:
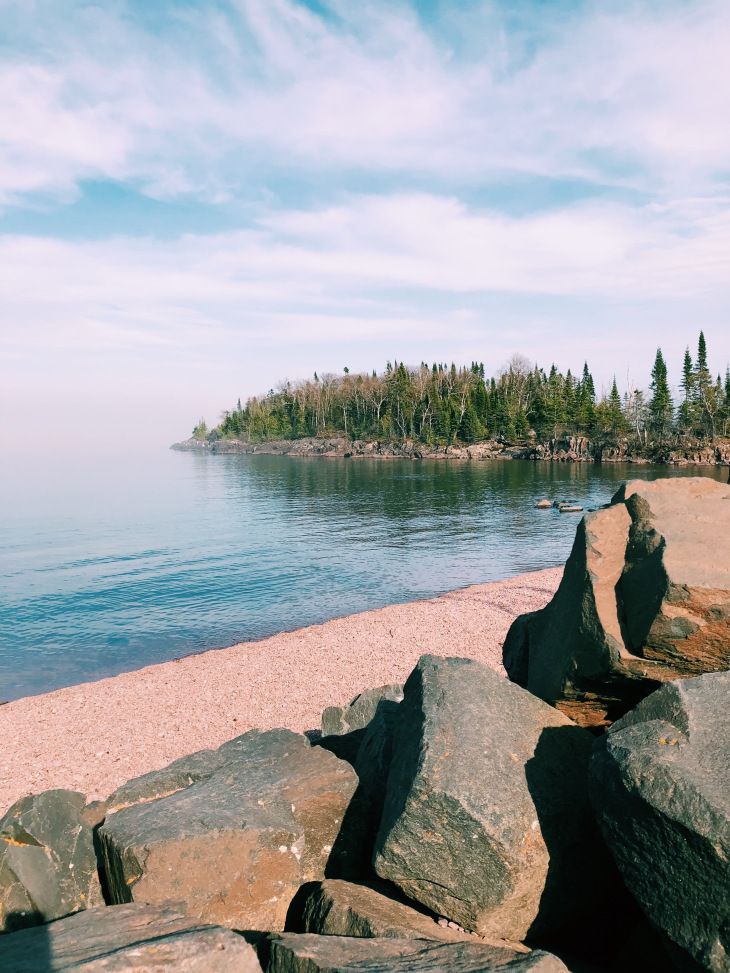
[{"x": 110, "y": 565}]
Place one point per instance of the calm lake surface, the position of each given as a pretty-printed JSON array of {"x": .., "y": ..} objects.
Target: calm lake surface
[{"x": 110, "y": 565}]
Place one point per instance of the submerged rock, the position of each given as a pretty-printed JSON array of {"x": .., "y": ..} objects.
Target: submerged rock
[
  {"x": 47, "y": 859},
  {"x": 236, "y": 843},
  {"x": 487, "y": 819},
  {"x": 645, "y": 598},
  {"x": 292, "y": 953},
  {"x": 660, "y": 782},
  {"x": 127, "y": 939}
]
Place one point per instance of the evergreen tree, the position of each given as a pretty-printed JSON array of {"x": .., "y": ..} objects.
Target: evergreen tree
[
  {"x": 586, "y": 401},
  {"x": 703, "y": 391},
  {"x": 661, "y": 409},
  {"x": 615, "y": 412},
  {"x": 686, "y": 410},
  {"x": 470, "y": 429}
]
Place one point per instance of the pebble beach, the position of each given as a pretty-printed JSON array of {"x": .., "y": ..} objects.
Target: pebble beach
[{"x": 94, "y": 736}]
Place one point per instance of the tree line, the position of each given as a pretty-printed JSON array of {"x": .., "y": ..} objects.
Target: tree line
[{"x": 441, "y": 403}]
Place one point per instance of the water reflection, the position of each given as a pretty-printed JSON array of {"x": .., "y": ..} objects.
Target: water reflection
[{"x": 133, "y": 563}]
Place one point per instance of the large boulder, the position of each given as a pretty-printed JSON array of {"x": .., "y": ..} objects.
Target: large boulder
[
  {"x": 47, "y": 859},
  {"x": 645, "y": 598},
  {"x": 292, "y": 953},
  {"x": 127, "y": 939},
  {"x": 660, "y": 782},
  {"x": 337, "y": 908},
  {"x": 487, "y": 819},
  {"x": 235, "y": 844}
]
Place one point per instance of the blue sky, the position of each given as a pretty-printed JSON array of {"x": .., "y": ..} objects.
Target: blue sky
[{"x": 198, "y": 200}]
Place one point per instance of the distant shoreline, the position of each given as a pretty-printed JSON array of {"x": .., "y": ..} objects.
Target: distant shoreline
[{"x": 573, "y": 449}]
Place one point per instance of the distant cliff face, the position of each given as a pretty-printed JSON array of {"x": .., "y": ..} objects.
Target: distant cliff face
[{"x": 569, "y": 449}]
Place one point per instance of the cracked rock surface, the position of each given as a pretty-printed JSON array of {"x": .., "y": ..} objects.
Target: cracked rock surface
[
  {"x": 292, "y": 953},
  {"x": 233, "y": 843}
]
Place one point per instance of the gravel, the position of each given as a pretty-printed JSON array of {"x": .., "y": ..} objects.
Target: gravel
[{"x": 94, "y": 736}]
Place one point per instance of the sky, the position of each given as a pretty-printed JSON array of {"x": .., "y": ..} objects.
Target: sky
[{"x": 199, "y": 200}]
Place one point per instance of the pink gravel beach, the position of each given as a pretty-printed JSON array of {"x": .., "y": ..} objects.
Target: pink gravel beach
[{"x": 94, "y": 736}]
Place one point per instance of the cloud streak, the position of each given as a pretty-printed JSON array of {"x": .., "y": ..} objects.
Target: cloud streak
[
  {"x": 639, "y": 97},
  {"x": 487, "y": 178}
]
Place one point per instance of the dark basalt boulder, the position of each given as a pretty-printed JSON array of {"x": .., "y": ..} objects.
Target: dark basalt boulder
[
  {"x": 127, "y": 939},
  {"x": 47, "y": 859},
  {"x": 292, "y": 953},
  {"x": 644, "y": 599},
  {"x": 235, "y": 844},
  {"x": 660, "y": 782},
  {"x": 487, "y": 819}
]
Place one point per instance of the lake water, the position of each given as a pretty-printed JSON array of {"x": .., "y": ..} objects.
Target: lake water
[{"x": 110, "y": 565}]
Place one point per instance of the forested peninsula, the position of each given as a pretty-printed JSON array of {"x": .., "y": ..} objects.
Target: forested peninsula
[{"x": 524, "y": 411}]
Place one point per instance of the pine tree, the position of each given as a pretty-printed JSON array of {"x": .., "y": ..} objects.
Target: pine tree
[
  {"x": 615, "y": 412},
  {"x": 661, "y": 409},
  {"x": 586, "y": 401},
  {"x": 686, "y": 410},
  {"x": 704, "y": 393},
  {"x": 470, "y": 429}
]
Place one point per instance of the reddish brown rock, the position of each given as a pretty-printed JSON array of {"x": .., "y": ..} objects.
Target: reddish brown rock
[
  {"x": 235, "y": 844},
  {"x": 337, "y": 908},
  {"x": 645, "y": 598}
]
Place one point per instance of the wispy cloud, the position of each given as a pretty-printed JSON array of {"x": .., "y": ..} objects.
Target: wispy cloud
[
  {"x": 204, "y": 97},
  {"x": 487, "y": 174}
]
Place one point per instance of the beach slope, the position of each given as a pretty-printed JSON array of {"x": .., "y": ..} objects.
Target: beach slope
[{"x": 94, "y": 736}]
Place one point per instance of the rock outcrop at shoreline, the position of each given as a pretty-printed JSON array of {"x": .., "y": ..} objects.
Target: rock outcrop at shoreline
[
  {"x": 568, "y": 449},
  {"x": 462, "y": 823},
  {"x": 645, "y": 598}
]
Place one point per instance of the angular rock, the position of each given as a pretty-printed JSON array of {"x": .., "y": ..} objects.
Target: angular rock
[
  {"x": 356, "y": 716},
  {"x": 235, "y": 844},
  {"x": 292, "y": 953},
  {"x": 487, "y": 819},
  {"x": 337, "y": 908},
  {"x": 660, "y": 783},
  {"x": 47, "y": 859},
  {"x": 127, "y": 939},
  {"x": 645, "y": 598}
]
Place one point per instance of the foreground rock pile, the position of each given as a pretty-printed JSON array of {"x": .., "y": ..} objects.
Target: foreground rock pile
[{"x": 461, "y": 822}]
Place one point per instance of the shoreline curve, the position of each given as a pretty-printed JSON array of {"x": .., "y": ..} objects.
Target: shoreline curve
[{"x": 94, "y": 736}]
